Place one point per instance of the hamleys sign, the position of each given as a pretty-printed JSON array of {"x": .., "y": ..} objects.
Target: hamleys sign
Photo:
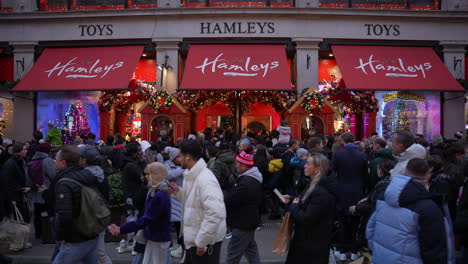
[
  {"x": 92, "y": 68},
  {"x": 236, "y": 67},
  {"x": 86, "y": 69},
  {"x": 392, "y": 68}
]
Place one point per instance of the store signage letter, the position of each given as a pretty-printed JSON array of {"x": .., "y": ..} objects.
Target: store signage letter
[
  {"x": 73, "y": 70},
  {"x": 237, "y": 28},
  {"x": 93, "y": 30},
  {"x": 384, "y": 29},
  {"x": 398, "y": 69},
  {"x": 234, "y": 70}
]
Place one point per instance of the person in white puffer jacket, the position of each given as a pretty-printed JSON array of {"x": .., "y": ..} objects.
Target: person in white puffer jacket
[
  {"x": 204, "y": 212},
  {"x": 404, "y": 149}
]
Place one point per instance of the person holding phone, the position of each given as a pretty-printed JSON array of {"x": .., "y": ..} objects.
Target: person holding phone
[
  {"x": 155, "y": 222},
  {"x": 313, "y": 213}
]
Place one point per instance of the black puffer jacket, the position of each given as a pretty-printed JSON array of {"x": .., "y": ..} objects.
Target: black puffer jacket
[
  {"x": 313, "y": 222},
  {"x": 131, "y": 176},
  {"x": 68, "y": 203},
  {"x": 243, "y": 201}
]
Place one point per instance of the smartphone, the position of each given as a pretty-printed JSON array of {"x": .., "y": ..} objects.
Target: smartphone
[{"x": 280, "y": 196}]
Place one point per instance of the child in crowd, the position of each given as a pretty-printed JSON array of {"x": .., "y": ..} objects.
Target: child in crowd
[{"x": 155, "y": 222}]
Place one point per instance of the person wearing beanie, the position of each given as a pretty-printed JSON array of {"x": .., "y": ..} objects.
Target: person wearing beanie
[
  {"x": 243, "y": 203},
  {"x": 299, "y": 180},
  {"x": 90, "y": 160},
  {"x": 41, "y": 170},
  {"x": 155, "y": 222}
]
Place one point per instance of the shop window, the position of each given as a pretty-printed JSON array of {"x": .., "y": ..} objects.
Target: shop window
[
  {"x": 63, "y": 5},
  {"x": 383, "y": 4},
  {"x": 238, "y": 3}
]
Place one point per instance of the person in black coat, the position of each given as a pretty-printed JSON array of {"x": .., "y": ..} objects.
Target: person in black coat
[
  {"x": 313, "y": 213},
  {"x": 17, "y": 181},
  {"x": 243, "y": 204},
  {"x": 350, "y": 166}
]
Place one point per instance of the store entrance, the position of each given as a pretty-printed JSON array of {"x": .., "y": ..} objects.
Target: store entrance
[
  {"x": 312, "y": 126},
  {"x": 162, "y": 126}
]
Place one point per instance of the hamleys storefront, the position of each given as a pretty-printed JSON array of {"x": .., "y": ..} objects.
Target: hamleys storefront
[{"x": 235, "y": 86}]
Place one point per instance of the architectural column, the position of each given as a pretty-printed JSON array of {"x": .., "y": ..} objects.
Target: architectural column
[
  {"x": 454, "y": 102},
  {"x": 307, "y": 56},
  {"x": 23, "y": 107},
  {"x": 167, "y": 57}
]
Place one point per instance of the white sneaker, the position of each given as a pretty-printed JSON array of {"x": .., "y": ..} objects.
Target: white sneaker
[
  {"x": 177, "y": 252},
  {"x": 124, "y": 247},
  {"x": 340, "y": 256},
  {"x": 355, "y": 256},
  {"x": 134, "y": 253}
]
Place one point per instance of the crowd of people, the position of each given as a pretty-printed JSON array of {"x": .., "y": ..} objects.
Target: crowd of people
[{"x": 400, "y": 197}]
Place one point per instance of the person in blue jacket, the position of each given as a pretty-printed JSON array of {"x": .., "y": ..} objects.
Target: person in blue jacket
[
  {"x": 407, "y": 225},
  {"x": 155, "y": 222}
]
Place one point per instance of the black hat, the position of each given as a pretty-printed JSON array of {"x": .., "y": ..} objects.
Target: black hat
[{"x": 90, "y": 153}]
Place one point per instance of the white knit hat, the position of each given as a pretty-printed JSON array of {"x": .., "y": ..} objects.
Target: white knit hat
[{"x": 173, "y": 152}]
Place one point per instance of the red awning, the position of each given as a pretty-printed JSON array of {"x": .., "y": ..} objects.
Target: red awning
[
  {"x": 236, "y": 67},
  {"x": 393, "y": 68},
  {"x": 71, "y": 69}
]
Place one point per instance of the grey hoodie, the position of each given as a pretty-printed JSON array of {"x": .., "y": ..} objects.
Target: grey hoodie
[
  {"x": 254, "y": 173},
  {"x": 96, "y": 171}
]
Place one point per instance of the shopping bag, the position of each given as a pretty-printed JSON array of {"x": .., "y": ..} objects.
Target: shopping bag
[
  {"x": 18, "y": 217},
  {"x": 283, "y": 239}
]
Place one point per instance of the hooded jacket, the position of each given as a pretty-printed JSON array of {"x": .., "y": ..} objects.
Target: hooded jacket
[
  {"x": 102, "y": 182},
  {"x": 204, "y": 219},
  {"x": 68, "y": 203},
  {"x": 313, "y": 224},
  {"x": 243, "y": 201},
  {"x": 414, "y": 151},
  {"x": 285, "y": 134},
  {"x": 222, "y": 166},
  {"x": 48, "y": 172},
  {"x": 131, "y": 176},
  {"x": 407, "y": 226}
]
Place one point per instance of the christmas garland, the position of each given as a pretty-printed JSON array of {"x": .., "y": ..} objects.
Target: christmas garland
[
  {"x": 194, "y": 101},
  {"x": 313, "y": 102},
  {"x": 352, "y": 102},
  {"x": 160, "y": 102},
  {"x": 280, "y": 101},
  {"x": 123, "y": 100}
]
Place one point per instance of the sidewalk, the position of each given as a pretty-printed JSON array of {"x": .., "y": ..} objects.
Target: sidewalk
[{"x": 40, "y": 253}]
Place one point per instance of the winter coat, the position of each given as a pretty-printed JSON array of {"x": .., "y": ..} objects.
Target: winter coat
[
  {"x": 437, "y": 150},
  {"x": 275, "y": 165},
  {"x": 117, "y": 157},
  {"x": 33, "y": 148},
  {"x": 455, "y": 173},
  {"x": 350, "y": 166},
  {"x": 155, "y": 222},
  {"x": 174, "y": 172},
  {"x": 48, "y": 172},
  {"x": 131, "y": 176},
  {"x": 54, "y": 137},
  {"x": 102, "y": 182},
  {"x": 68, "y": 203},
  {"x": 107, "y": 151},
  {"x": 176, "y": 210},
  {"x": 299, "y": 180},
  {"x": 441, "y": 185},
  {"x": 407, "y": 226},
  {"x": 313, "y": 223},
  {"x": 223, "y": 166},
  {"x": 15, "y": 172},
  {"x": 414, "y": 151},
  {"x": 380, "y": 155},
  {"x": 243, "y": 201},
  {"x": 285, "y": 134},
  {"x": 367, "y": 207},
  {"x": 203, "y": 205}
]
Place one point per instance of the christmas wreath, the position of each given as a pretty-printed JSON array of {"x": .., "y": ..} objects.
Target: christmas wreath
[
  {"x": 161, "y": 101},
  {"x": 313, "y": 102}
]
